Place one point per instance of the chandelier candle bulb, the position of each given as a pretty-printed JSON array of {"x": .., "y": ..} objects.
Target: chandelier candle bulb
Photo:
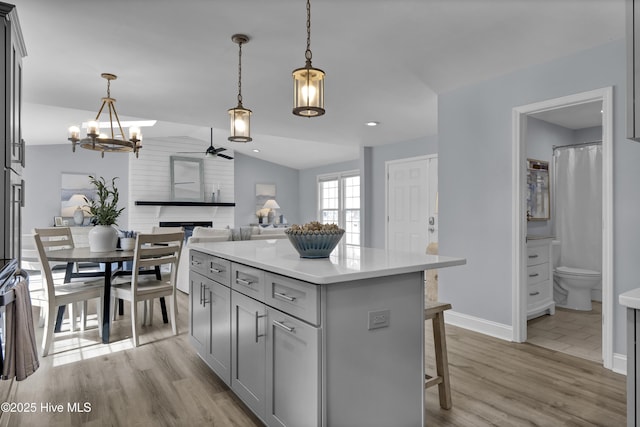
[
  {"x": 93, "y": 128},
  {"x": 74, "y": 133},
  {"x": 134, "y": 134}
]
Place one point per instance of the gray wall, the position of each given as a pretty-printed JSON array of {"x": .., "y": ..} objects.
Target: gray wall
[
  {"x": 373, "y": 158},
  {"x": 42, "y": 175},
  {"x": 308, "y": 191},
  {"x": 250, "y": 171},
  {"x": 475, "y": 129}
]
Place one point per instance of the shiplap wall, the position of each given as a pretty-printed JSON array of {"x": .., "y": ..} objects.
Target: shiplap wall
[{"x": 149, "y": 177}]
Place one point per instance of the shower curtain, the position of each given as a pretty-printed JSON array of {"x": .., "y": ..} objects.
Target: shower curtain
[{"x": 578, "y": 205}]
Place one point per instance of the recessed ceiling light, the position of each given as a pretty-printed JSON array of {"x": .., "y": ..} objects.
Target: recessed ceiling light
[
  {"x": 373, "y": 123},
  {"x": 255, "y": 150}
]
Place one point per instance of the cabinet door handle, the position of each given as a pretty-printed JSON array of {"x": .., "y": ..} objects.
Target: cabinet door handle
[
  {"x": 195, "y": 263},
  {"x": 201, "y": 286},
  {"x": 215, "y": 270},
  {"x": 284, "y": 296},
  {"x": 258, "y": 316},
  {"x": 534, "y": 275},
  {"x": 243, "y": 282},
  {"x": 204, "y": 298},
  {"x": 533, "y": 294},
  {"x": 283, "y": 326},
  {"x": 533, "y": 256}
]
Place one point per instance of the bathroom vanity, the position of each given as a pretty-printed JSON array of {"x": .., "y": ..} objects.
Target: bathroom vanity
[
  {"x": 539, "y": 277},
  {"x": 314, "y": 342}
]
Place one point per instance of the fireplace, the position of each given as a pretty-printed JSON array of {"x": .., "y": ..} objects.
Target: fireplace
[{"x": 188, "y": 226}]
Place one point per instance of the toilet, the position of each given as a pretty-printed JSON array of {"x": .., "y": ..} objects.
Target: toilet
[{"x": 572, "y": 286}]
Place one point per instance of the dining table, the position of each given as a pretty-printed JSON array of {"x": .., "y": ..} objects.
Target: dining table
[{"x": 84, "y": 255}]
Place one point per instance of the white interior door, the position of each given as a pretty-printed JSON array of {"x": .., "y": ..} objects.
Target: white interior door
[{"x": 412, "y": 195}]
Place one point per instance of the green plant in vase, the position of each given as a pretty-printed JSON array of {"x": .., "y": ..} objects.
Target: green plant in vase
[
  {"x": 104, "y": 208},
  {"x": 104, "y": 213}
]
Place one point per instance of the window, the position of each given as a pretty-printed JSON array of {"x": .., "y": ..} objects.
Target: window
[{"x": 339, "y": 203}]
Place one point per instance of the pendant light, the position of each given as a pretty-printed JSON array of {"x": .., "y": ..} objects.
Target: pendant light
[
  {"x": 308, "y": 82},
  {"x": 240, "y": 116}
]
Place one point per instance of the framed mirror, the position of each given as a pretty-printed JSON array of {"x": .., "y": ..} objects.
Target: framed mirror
[
  {"x": 538, "y": 206},
  {"x": 187, "y": 179}
]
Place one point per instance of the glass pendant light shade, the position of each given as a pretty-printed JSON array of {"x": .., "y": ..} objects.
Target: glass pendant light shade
[
  {"x": 240, "y": 124},
  {"x": 308, "y": 91}
]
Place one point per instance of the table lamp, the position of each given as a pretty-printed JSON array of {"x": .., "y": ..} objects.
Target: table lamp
[
  {"x": 271, "y": 204},
  {"x": 78, "y": 201}
]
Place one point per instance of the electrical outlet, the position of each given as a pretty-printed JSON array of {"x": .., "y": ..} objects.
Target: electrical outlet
[{"x": 379, "y": 319}]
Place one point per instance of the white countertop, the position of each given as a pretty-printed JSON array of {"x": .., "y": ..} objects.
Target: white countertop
[
  {"x": 279, "y": 256},
  {"x": 630, "y": 299}
]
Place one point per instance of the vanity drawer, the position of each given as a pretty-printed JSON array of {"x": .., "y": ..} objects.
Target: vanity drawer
[
  {"x": 537, "y": 255},
  {"x": 537, "y": 273},
  {"x": 294, "y": 297},
  {"x": 248, "y": 281},
  {"x": 538, "y": 293}
]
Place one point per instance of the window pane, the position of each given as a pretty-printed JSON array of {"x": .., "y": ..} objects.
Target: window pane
[
  {"x": 352, "y": 192},
  {"x": 329, "y": 194},
  {"x": 352, "y": 227},
  {"x": 330, "y": 217}
]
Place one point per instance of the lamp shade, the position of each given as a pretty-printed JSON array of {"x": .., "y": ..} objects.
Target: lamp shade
[
  {"x": 308, "y": 91},
  {"x": 240, "y": 124},
  {"x": 271, "y": 204}
]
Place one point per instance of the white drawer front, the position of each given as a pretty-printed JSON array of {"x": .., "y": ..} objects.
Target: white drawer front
[
  {"x": 538, "y": 293},
  {"x": 537, "y": 255},
  {"x": 219, "y": 270},
  {"x": 297, "y": 298},
  {"x": 537, "y": 273},
  {"x": 248, "y": 281}
]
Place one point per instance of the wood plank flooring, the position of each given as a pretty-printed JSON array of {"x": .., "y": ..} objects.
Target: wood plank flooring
[
  {"x": 574, "y": 332},
  {"x": 164, "y": 383}
]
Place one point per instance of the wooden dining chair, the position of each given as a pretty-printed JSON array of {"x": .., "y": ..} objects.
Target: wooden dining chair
[
  {"x": 151, "y": 250},
  {"x": 55, "y": 238},
  {"x": 53, "y": 296}
]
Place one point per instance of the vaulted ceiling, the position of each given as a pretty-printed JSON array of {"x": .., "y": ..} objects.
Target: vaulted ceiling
[{"x": 385, "y": 61}]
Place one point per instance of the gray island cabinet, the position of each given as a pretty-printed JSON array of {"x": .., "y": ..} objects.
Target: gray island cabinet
[{"x": 337, "y": 341}]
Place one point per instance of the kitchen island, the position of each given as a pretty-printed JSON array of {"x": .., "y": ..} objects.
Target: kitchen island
[{"x": 337, "y": 341}]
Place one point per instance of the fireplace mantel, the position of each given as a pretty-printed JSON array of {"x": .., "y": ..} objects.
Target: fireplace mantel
[{"x": 178, "y": 203}]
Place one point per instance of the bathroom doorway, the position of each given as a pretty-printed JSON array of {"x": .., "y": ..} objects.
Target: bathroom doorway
[{"x": 583, "y": 121}]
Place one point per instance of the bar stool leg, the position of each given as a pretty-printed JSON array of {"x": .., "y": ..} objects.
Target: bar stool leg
[{"x": 442, "y": 362}]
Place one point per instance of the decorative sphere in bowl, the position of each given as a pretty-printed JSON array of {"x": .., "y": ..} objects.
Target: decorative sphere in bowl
[{"x": 314, "y": 243}]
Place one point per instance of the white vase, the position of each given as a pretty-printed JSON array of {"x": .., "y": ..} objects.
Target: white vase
[
  {"x": 78, "y": 216},
  {"x": 127, "y": 243},
  {"x": 103, "y": 238}
]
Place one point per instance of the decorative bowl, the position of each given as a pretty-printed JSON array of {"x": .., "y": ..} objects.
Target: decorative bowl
[{"x": 314, "y": 244}]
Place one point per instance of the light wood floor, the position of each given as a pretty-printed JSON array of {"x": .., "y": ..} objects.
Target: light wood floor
[
  {"x": 574, "y": 332},
  {"x": 164, "y": 383}
]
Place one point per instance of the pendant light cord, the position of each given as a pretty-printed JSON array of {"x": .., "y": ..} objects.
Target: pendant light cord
[
  {"x": 307, "y": 53},
  {"x": 240, "y": 74}
]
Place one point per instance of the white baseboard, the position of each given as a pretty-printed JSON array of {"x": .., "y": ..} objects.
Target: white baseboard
[
  {"x": 476, "y": 324},
  {"x": 619, "y": 363}
]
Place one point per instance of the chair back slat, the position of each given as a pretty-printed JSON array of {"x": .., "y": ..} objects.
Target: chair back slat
[
  {"x": 47, "y": 276},
  {"x": 54, "y": 238},
  {"x": 157, "y": 249}
]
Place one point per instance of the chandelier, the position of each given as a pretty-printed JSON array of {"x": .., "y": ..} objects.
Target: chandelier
[
  {"x": 240, "y": 116},
  {"x": 113, "y": 141},
  {"x": 308, "y": 83}
]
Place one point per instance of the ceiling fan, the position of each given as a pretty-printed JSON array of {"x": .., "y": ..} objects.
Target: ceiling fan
[{"x": 211, "y": 151}]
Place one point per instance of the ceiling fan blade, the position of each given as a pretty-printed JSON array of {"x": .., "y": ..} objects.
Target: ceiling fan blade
[
  {"x": 224, "y": 156},
  {"x": 219, "y": 149}
]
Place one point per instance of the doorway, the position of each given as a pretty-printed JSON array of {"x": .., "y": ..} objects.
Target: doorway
[
  {"x": 547, "y": 108},
  {"x": 412, "y": 203}
]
